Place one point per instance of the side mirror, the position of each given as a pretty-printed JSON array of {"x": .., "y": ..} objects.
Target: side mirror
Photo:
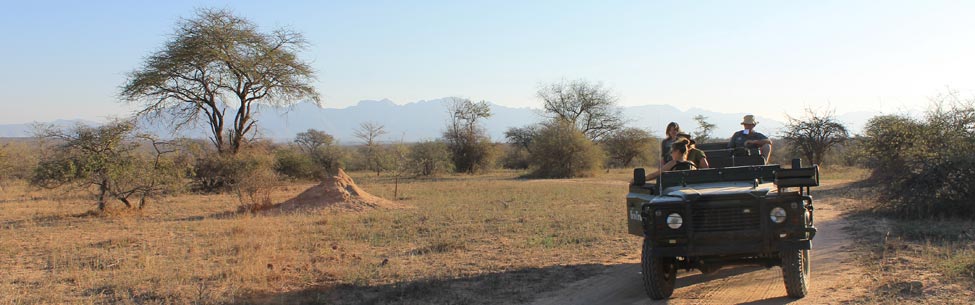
[{"x": 639, "y": 176}]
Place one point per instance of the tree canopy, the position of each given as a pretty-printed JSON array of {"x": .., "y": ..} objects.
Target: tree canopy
[
  {"x": 815, "y": 134},
  {"x": 218, "y": 64},
  {"x": 588, "y": 106}
]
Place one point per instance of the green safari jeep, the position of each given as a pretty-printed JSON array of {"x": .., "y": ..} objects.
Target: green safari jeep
[{"x": 739, "y": 212}]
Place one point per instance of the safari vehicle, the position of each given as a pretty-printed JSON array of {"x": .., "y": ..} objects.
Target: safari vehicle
[{"x": 739, "y": 212}]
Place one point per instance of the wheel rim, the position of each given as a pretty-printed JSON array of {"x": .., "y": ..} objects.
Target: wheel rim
[{"x": 669, "y": 270}]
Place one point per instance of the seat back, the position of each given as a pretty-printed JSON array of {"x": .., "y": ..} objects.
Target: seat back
[
  {"x": 712, "y": 146},
  {"x": 727, "y": 157},
  {"x": 719, "y": 158},
  {"x": 739, "y": 173}
]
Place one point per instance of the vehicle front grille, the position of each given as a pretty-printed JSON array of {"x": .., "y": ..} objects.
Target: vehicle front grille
[{"x": 733, "y": 218}]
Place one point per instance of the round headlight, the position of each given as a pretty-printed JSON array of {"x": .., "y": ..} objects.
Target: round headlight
[
  {"x": 674, "y": 221},
  {"x": 777, "y": 215}
]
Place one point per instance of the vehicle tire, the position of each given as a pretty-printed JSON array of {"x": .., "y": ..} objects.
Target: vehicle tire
[
  {"x": 659, "y": 273},
  {"x": 795, "y": 271}
]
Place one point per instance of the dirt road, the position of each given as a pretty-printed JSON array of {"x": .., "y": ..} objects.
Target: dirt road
[{"x": 833, "y": 278}]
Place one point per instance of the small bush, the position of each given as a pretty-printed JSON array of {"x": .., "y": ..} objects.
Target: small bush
[
  {"x": 295, "y": 164},
  {"x": 17, "y": 161},
  {"x": 429, "y": 158},
  {"x": 223, "y": 172},
  {"x": 255, "y": 182},
  {"x": 214, "y": 173},
  {"x": 515, "y": 157},
  {"x": 562, "y": 151}
]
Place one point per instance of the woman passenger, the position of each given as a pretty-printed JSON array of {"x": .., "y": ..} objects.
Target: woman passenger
[
  {"x": 665, "y": 146},
  {"x": 678, "y": 156}
]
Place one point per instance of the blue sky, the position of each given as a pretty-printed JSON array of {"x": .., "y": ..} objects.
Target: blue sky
[{"x": 67, "y": 59}]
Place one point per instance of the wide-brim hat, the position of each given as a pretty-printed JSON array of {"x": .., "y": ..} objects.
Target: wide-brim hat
[
  {"x": 749, "y": 120},
  {"x": 686, "y": 136}
]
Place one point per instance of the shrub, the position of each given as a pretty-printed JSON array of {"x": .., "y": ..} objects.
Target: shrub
[
  {"x": 515, "y": 157},
  {"x": 925, "y": 168},
  {"x": 325, "y": 155},
  {"x": 17, "y": 161},
  {"x": 224, "y": 172},
  {"x": 254, "y": 180},
  {"x": 562, "y": 151},
  {"x": 108, "y": 158},
  {"x": 294, "y": 164},
  {"x": 429, "y": 158}
]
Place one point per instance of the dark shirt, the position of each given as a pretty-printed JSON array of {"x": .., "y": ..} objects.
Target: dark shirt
[
  {"x": 683, "y": 166},
  {"x": 665, "y": 147},
  {"x": 739, "y": 139}
]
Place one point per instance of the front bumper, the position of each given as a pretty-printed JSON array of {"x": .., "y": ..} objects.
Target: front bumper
[{"x": 733, "y": 243}]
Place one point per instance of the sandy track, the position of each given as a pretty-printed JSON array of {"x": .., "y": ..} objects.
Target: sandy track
[{"x": 834, "y": 277}]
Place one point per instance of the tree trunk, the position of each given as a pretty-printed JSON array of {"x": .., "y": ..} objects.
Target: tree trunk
[
  {"x": 125, "y": 201},
  {"x": 102, "y": 189}
]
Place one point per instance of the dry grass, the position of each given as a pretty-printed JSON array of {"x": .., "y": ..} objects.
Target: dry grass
[
  {"x": 912, "y": 261},
  {"x": 467, "y": 237}
]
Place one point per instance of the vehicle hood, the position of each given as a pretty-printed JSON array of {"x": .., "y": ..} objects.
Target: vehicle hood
[{"x": 719, "y": 189}]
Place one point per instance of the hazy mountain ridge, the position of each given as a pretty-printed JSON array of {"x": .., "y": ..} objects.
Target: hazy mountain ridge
[{"x": 426, "y": 120}]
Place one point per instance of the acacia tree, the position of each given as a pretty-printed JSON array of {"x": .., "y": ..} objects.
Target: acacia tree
[
  {"x": 312, "y": 140},
  {"x": 318, "y": 146},
  {"x": 216, "y": 65},
  {"x": 704, "y": 129},
  {"x": 467, "y": 140},
  {"x": 522, "y": 137},
  {"x": 625, "y": 145},
  {"x": 590, "y": 107},
  {"x": 369, "y": 133},
  {"x": 813, "y": 135}
]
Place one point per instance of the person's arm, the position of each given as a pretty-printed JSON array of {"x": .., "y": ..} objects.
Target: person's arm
[
  {"x": 764, "y": 145},
  {"x": 766, "y": 151},
  {"x": 669, "y": 165},
  {"x": 666, "y": 167},
  {"x": 704, "y": 163},
  {"x": 759, "y": 142}
]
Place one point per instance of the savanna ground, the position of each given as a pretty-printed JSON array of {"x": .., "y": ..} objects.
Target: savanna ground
[{"x": 466, "y": 240}]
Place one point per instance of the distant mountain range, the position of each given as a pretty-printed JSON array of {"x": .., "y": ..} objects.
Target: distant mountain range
[{"x": 425, "y": 120}]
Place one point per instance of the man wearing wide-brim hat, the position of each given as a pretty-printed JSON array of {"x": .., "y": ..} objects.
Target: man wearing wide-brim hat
[{"x": 749, "y": 138}]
